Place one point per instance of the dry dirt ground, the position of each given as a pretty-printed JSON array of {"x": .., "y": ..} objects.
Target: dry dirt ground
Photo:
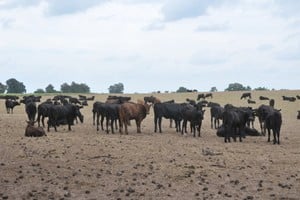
[{"x": 86, "y": 164}]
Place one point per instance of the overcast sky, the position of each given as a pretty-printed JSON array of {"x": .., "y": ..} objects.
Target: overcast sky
[{"x": 151, "y": 45}]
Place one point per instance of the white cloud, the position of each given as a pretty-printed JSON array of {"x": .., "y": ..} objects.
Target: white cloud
[{"x": 149, "y": 45}]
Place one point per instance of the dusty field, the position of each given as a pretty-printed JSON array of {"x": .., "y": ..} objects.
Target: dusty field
[{"x": 86, "y": 164}]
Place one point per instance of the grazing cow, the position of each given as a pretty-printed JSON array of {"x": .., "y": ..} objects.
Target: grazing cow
[
  {"x": 263, "y": 98},
  {"x": 129, "y": 111},
  {"x": 298, "y": 97},
  {"x": 234, "y": 121},
  {"x": 216, "y": 114},
  {"x": 298, "y": 116},
  {"x": 195, "y": 117},
  {"x": 245, "y": 95},
  {"x": 32, "y": 131},
  {"x": 169, "y": 111},
  {"x": 200, "y": 96},
  {"x": 251, "y": 101},
  {"x": 209, "y": 95},
  {"x": 64, "y": 114},
  {"x": 43, "y": 111},
  {"x": 291, "y": 99},
  {"x": 10, "y": 104}
]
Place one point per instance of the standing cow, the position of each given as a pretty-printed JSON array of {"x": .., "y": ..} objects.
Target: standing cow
[{"x": 129, "y": 111}]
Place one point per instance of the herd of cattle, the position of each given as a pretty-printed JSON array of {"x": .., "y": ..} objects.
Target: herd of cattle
[{"x": 118, "y": 111}]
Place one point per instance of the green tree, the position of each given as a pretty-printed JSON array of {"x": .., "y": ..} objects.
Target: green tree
[
  {"x": 39, "y": 91},
  {"x": 2, "y": 88},
  {"x": 50, "y": 89},
  {"x": 214, "y": 89},
  {"x": 116, "y": 88},
  {"x": 75, "y": 88},
  {"x": 14, "y": 86},
  {"x": 181, "y": 89},
  {"x": 237, "y": 87},
  {"x": 261, "y": 88}
]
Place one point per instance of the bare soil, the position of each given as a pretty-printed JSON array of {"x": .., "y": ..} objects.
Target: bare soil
[{"x": 86, "y": 164}]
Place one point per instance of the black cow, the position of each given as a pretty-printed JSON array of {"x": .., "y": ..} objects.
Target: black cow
[
  {"x": 263, "y": 98},
  {"x": 200, "y": 96},
  {"x": 169, "y": 111},
  {"x": 209, "y": 95},
  {"x": 195, "y": 117},
  {"x": 234, "y": 121},
  {"x": 64, "y": 114},
  {"x": 273, "y": 122},
  {"x": 110, "y": 111},
  {"x": 298, "y": 97},
  {"x": 245, "y": 95},
  {"x": 248, "y": 132},
  {"x": 30, "y": 106},
  {"x": 270, "y": 119},
  {"x": 291, "y": 99},
  {"x": 10, "y": 104},
  {"x": 216, "y": 114},
  {"x": 43, "y": 111},
  {"x": 251, "y": 101}
]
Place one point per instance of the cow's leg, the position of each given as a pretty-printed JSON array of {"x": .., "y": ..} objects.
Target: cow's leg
[
  {"x": 274, "y": 135},
  {"x": 159, "y": 124},
  {"x": 155, "y": 124},
  {"x": 211, "y": 122},
  {"x": 107, "y": 122},
  {"x": 97, "y": 122},
  {"x": 112, "y": 125},
  {"x": 278, "y": 134},
  {"x": 126, "y": 124},
  {"x": 171, "y": 122},
  {"x": 102, "y": 120},
  {"x": 121, "y": 126},
  {"x": 269, "y": 135},
  {"x": 94, "y": 115},
  {"x": 138, "y": 125}
]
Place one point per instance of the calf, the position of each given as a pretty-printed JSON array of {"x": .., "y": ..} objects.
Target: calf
[
  {"x": 195, "y": 118},
  {"x": 10, "y": 104},
  {"x": 32, "y": 131},
  {"x": 129, "y": 111}
]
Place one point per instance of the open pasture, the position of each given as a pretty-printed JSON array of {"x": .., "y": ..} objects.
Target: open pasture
[{"x": 86, "y": 164}]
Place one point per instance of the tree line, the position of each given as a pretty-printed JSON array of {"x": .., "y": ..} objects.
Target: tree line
[{"x": 14, "y": 86}]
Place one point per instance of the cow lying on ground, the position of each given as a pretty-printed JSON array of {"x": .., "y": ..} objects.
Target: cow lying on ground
[
  {"x": 248, "y": 132},
  {"x": 251, "y": 101},
  {"x": 291, "y": 99},
  {"x": 129, "y": 111},
  {"x": 263, "y": 98},
  {"x": 32, "y": 131}
]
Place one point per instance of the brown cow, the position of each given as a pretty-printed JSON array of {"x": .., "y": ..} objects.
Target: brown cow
[
  {"x": 32, "y": 131},
  {"x": 129, "y": 111}
]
